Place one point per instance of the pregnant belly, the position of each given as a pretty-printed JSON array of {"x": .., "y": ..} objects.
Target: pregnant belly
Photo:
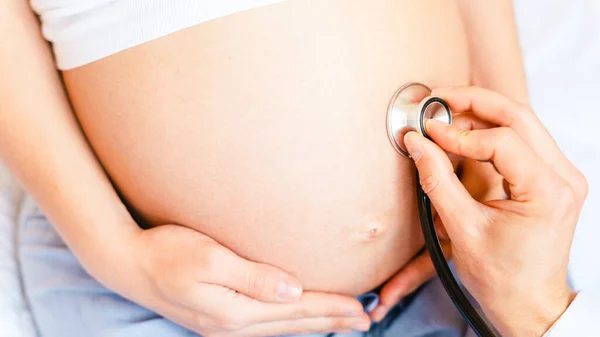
[{"x": 266, "y": 131}]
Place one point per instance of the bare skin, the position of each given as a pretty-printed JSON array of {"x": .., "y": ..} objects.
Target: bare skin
[
  {"x": 302, "y": 192},
  {"x": 41, "y": 142}
]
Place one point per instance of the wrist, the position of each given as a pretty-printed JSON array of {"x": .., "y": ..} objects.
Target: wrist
[
  {"x": 530, "y": 315},
  {"x": 111, "y": 257}
]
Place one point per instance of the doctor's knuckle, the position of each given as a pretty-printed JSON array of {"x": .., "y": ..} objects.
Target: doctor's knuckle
[
  {"x": 504, "y": 135},
  {"x": 547, "y": 183},
  {"x": 581, "y": 186},
  {"x": 461, "y": 139},
  {"x": 567, "y": 196},
  {"x": 546, "y": 191},
  {"x": 430, "y": 183},
  {"x": 563, "y": 198},
  {"x": 523, "y": 110}
]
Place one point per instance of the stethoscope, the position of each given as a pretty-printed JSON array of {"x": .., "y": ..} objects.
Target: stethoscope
[{"x": 410, "y": 107}]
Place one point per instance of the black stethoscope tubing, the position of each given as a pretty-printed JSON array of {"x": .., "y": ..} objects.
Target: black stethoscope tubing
[
  {"x": 408, "y": 112},
  {"x": 432, "y": 242}
]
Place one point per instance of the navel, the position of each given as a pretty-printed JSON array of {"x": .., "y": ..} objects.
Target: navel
[{"x": 368, "y": 231}]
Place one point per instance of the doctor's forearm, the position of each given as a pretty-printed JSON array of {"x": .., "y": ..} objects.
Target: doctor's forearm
[{"x": 495, "y": 53}]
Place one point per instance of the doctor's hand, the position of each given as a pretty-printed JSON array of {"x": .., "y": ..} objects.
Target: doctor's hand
[
  {"x": 511, "y": 254},
  {"x": 483, "y": 183},
  {"x": 194, "y": 281}
]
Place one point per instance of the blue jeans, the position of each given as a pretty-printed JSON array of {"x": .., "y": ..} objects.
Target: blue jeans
[{"x": 67, "y": 302}]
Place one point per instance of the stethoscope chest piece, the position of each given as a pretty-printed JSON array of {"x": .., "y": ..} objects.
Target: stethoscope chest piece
[{"x": 409, "y": 108}]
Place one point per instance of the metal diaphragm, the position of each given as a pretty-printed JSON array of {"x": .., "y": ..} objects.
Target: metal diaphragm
[{"x": 409, "y": 108}]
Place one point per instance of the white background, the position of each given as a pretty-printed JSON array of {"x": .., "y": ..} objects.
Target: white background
[{"x": 561, "y": 44}]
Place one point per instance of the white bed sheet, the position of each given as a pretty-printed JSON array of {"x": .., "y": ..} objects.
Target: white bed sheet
[
  {"x": 561, "y": 42},
  {"x": 15, "y": 318}
]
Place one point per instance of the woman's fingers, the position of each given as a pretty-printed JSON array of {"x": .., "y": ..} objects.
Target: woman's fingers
[
  {"x": 500, "y": 146},
  {"x": 224, "y": 310},
  {"x": 259, "y": 281},
  {"x": 202, "y": 285},
  {"x": 418, "y": 271},
  {"x": 320, "y": 325},
  {"x": 235, "y": 310},
  {"x": 311, "y": 305}
]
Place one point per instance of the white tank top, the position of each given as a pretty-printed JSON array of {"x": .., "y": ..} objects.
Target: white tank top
[{"x": 83, "y": 31}]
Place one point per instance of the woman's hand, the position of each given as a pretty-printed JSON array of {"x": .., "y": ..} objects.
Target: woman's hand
[
  {"x": 511, "y": 254},
  {"x": 192, "y": 280}
]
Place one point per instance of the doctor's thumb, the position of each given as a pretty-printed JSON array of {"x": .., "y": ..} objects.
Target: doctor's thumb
[{"x": 438, "y": 180}]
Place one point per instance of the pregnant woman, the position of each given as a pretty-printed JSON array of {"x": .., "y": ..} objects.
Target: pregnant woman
[{"x": 234, "y": 131}]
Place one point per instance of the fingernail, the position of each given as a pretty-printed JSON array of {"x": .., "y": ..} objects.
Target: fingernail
[
  {"x": 361, "y": 326},
  {"x": 379, "y": 313},
  {"x": 434, "y": 123},
  {"x": 412, "y": 145},
  {"x": 288, "y": 291}
]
